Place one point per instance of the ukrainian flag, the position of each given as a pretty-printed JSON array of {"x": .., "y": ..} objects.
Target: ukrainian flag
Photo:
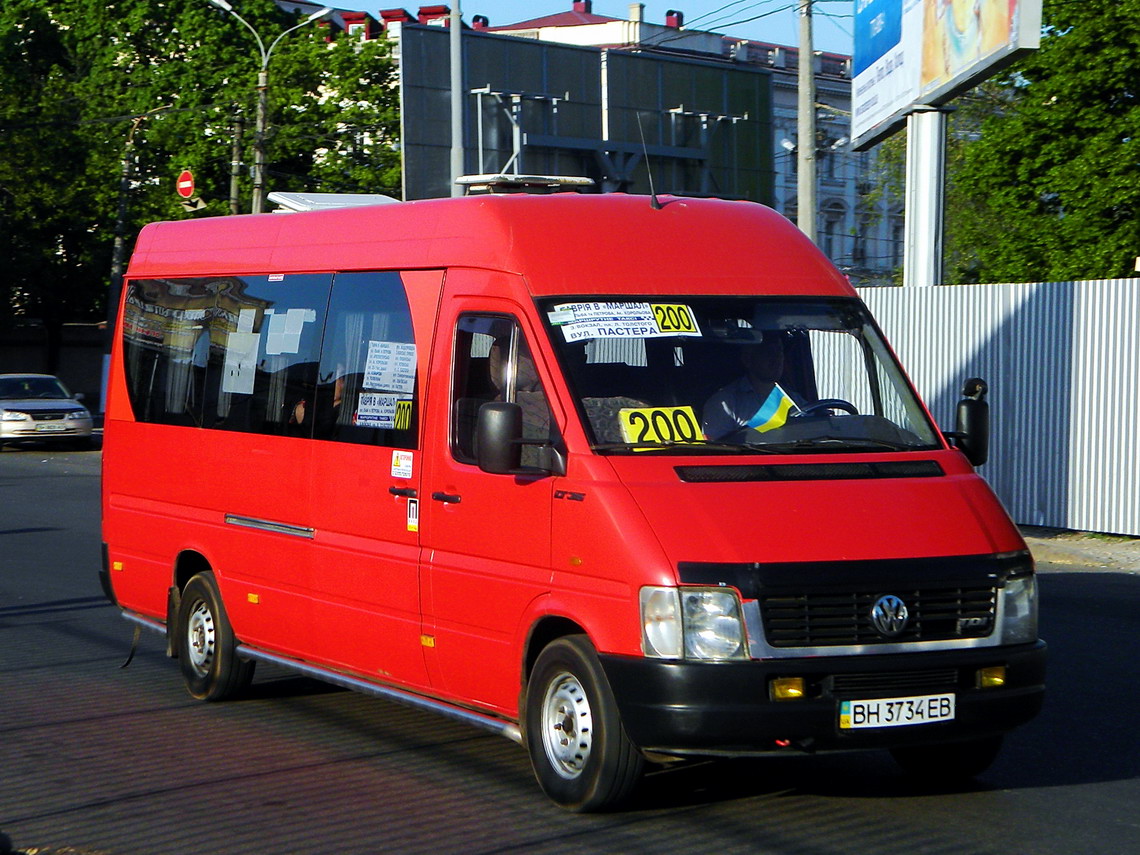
[{"x": 773, "y": 412}]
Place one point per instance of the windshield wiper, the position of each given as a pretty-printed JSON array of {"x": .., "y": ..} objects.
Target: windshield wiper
[
  {"x": 697, "y": 447},
  {"x": 840, "y": 443}
]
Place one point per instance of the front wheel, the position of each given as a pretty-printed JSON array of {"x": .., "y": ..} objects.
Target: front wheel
[
  {"x": 951, "y": 762},
  {"x": 205, "y": 642},
  {"x": 578, "y": 749}
]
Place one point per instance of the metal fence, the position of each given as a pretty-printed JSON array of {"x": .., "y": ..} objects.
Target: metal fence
[{"x": 1062, "y": 360}]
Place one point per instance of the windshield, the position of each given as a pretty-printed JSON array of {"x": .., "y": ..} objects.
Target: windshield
[
  {"x": 732, "y": 374},
  {"x": 19, "y": 388}
]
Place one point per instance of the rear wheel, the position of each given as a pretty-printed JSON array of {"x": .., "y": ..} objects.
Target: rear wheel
[
  {"x": 948, "y": 762},
  {"x": 579, "y": 751},
  {"x": 210, "y": 667}
]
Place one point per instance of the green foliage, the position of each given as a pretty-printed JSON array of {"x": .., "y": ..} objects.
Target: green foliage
[
  {"x": 90, "y": 83},
  {"x": 1050, "y": 188}
]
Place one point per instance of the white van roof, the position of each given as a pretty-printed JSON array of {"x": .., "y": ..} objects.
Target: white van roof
[{"x": 292, "y": 202}]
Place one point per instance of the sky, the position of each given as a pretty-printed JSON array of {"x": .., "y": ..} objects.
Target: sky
[{"x": 772, "y": 21}]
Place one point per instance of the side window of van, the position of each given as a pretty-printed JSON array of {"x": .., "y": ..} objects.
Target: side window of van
[
  {"x": 296, "y": 355},
  {"x": 168, "y": 333},
  {"x": 494, "y": 363},
  {"x": 229, "y": 352},
  {"x": 366, "y": 383},
  {"x": 265, "y": 342}
]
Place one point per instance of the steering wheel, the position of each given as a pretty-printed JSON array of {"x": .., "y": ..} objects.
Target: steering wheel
[{"x": 828, "y": 404}]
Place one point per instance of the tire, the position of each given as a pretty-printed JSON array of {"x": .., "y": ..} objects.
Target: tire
[
  {"x": 579, "y": 751},
  {"x": 205, "y": 644},
  {"x": 950, "y": 762}
]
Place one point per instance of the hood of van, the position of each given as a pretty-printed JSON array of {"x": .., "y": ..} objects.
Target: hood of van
[{"x": 817, "y": 509}]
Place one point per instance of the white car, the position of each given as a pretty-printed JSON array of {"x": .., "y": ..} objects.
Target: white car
[{"x": 39, "y": 407}]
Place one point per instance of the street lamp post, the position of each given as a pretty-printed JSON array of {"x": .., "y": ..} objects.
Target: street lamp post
[{"x": 263, "y": 96}]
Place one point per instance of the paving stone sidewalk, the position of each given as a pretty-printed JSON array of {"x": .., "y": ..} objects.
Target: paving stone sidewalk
[{"x": 1080, "y": 549}]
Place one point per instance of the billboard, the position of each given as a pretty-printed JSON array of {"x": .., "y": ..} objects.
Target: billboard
[
  {"x": 910, "y": 52},
  {"x": 706, "y": 127}
]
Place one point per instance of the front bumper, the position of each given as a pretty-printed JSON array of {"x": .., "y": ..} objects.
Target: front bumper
[
  {"x": 61, "y": 431},
  {"x": 699, "y": 708}
]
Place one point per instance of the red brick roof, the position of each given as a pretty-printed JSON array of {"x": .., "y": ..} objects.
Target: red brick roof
[{"x": 560, "y": 19}]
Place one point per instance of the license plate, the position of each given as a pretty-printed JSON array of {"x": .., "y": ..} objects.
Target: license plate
[
  {"x": 46, "y": 427},
  {"x": 896, "y": 712}
]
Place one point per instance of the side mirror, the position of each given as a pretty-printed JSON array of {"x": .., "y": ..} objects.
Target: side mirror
[
  {"x": 78, "y": 396},
  {"x": 498, "y": 437},
  {"x": 973, "y": 426}
]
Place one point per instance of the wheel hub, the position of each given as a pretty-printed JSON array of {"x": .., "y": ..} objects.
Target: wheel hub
[
  {"x": 200, "y": 633},
  {"x": 567, "y": 726}
]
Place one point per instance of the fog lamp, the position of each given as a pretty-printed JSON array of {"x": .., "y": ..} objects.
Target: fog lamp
[
  {"x": 991, "y": 678},
  {"x": 787, "y": 688}
]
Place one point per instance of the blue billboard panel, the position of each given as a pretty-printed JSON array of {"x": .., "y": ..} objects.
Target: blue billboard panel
[{"x": 878, "y": 29}]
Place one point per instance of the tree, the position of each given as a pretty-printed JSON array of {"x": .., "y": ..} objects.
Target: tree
[
  {"x": 83, "y": 78},
  {"x": 1050, "y": 187}
]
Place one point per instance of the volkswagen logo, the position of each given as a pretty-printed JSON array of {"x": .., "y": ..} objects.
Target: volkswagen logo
[{"x": 889, "y": 616}]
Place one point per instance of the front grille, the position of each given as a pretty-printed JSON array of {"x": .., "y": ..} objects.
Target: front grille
[
  {"x": 834, "y": 618},
  {"x": 894, "y": 683},
  {"x": 48, "y": 415}
]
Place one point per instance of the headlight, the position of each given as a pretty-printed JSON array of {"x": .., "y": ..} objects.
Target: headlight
[
  {"x": 692, "y": 623},
  {"x": 79, "y": 414},
  {"x": 1019, "y": 610},
  {"x": 13, "y": 416}
]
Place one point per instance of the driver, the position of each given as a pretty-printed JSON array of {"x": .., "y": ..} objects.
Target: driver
[{"x": 756, "y": 400}]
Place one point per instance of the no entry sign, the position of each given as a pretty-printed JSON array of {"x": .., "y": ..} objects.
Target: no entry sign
[{"x": 185, "y": 184}]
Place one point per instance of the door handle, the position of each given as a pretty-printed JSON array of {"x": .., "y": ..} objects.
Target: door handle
[
  {"x": 406, "y": 492},
  {"x": 449, "y": 498}
]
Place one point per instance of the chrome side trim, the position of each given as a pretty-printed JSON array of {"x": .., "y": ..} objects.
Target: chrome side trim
[
  {"x": 270, "y": 525},
  {"x": 146, "y": 622},
  {"x": 487, "y": 722}
]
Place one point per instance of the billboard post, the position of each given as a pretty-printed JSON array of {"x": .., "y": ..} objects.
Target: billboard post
[{"x": 925, "y": 196}]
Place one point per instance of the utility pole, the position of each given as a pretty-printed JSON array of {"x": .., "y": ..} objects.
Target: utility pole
[
  {"x": 119, "y": 247},
  {"x": 235, "y": 163},
  {"x": 805, "y": 144},
  {"x": 455, "y": 22}
]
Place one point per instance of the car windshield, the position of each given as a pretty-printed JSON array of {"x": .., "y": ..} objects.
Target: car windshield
[
  {"x": 20, "y": 388},
  {"x": 727, "y": 375}
]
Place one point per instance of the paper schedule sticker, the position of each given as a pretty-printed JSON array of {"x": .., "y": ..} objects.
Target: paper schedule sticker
[
  {"x": 391, "y": 366},
  {"x": 384, "y": 411},
  {"x": 580, "y": 321}
]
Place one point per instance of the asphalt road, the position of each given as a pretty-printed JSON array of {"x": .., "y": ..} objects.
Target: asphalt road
[{"x": 99, "y": 759}]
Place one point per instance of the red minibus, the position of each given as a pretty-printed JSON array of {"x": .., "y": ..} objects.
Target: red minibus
[{"x": 629, "y": 483}]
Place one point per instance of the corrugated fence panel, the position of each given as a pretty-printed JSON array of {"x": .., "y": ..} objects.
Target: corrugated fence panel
[
  {"x": 1105, "y": 458},
  {"x": 1062, "y": 360}
]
